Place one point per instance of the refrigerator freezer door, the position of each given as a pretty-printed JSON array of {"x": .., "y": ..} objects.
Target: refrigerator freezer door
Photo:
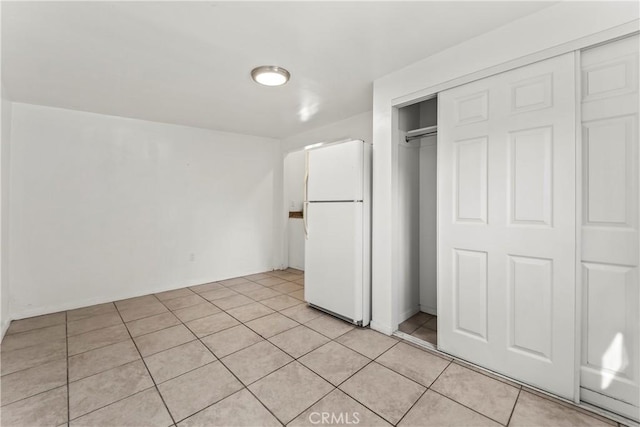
[
  {"x": 335, "y": 172},
  {"x": 334, "y": 258}
]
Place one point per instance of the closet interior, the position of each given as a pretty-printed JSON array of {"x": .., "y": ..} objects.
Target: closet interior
[{"x": 417, "y": 210}]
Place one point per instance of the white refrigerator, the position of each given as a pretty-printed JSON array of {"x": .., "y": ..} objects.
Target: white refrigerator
[{"x": 337, "y": 219}]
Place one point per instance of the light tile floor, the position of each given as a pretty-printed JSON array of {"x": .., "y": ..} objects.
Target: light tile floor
[
  {"x": 423, "y": 326},
  {"x": 245, "y": 352}
]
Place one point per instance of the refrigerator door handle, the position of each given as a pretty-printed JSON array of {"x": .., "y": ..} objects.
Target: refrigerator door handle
[
  {"x": 305, "y": 224},
  {"x": 304, "y": 220}
]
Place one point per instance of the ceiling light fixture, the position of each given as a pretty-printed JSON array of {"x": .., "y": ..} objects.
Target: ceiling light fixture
[{"x": 270, "y": 75}]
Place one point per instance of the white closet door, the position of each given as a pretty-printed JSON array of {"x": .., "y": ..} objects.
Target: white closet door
[
  {"x": 609, "y": 374},
  {"x": 506, "y": 188}
]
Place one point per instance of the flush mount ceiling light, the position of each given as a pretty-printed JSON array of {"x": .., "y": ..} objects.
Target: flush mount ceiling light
[{"x": 270, "y": 75}]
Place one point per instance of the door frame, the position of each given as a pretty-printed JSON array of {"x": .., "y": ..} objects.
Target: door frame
[
  {"x": 396, "y": 137},
  {"x": 578, "y": 233}
]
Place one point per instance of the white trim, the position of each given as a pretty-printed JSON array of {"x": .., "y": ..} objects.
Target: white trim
[
  {"x": 395, "y": 223},
  {"x": 380, "y": 328},
  {"x": 578, "y": 226},
  {"x": 607, "y": 36},
  {"x": 623, "y": 409},
  {"x": 56, "y": 308},
  {"x": 409, "y": 313},
  {"x": 5, "y": 327},
  {"x": 429, "y": 310},
  {"x": 417, "y": 341}
]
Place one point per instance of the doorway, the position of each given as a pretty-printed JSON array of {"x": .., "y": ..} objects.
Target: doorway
[
  {"x": 293, "y": 178},
  {"x": 417, "y": 208}
]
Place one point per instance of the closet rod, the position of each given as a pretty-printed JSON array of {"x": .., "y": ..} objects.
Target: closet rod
[{"x": 421, "y": 133}]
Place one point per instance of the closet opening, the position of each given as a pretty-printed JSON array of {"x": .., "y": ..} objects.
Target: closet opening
[{"x": 416, "y": 286}]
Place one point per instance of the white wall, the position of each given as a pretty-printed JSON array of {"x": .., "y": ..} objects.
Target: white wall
[
  {"x": 408, "y": 282},
  {"x": 5, "y": 153},
  {"x": 359, "y": 126},
  {"x": 416, "y": 283},
  {"x": 544, "y": 33},
  {"x": 428, "y": 226},
  {"x": 356, "y": 127},
  {"x": 416, "y": 194},
  {"x": 294, "y": 170},
  {"x": 105, "y": 208}
]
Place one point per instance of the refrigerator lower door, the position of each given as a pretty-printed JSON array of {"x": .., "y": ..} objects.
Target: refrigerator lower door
[{"x": 334, "y": 258}]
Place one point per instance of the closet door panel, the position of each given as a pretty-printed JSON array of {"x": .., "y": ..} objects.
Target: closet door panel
[
  {"x": 610, "y": 255},
  {"x": 470, "y": 163},
  {"x": 470, "y": 288},
  {"x": 530, "y": 314},
  {"x": 520, "y": 193},
  {"x": 530, "y": 177}
]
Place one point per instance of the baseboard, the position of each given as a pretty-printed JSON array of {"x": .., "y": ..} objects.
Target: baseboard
[
  {"x": 609, "y": 404},
  {"x": 408, "y": 313},
  {"x": 387, "y": 330},
  {"x": 429, "y": 310},
  {"x": 5, "y": 327},
  {"x": 56, "y": 308}
]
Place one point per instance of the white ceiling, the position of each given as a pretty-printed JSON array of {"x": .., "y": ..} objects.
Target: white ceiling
[{"x": 188, "y": 62}]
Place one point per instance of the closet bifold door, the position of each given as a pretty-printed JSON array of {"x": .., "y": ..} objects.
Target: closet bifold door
[{"x": 507, "y": 231}]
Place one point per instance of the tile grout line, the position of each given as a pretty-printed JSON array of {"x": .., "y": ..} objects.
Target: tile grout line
[
  {"x": 335, "y": 387},
  {"x": 360, "y": 353},
  {"x": 514, "y": 406},
  {"x": 412, "y": 406},
  {"x": 235, "y": 376},
  {"x": 468, "y": 407},
  {"x": 123, "y": 323},
  {"x": 33, "y": 395},
  {"x": 265, "y": 339},
  {"x": 452, "y": 362},
  {"x": 403, "y": 375},
  {"x": 244, "y": 387},
  {"x": 362, "y": 403},
  {"x": 294, "y": 359},
  {"x": 113, "y": 303},
  {"x": 425, "y": 392},
  {"x": 115, "y": 401},
  {"x": 34, "y": 366},
  {"x": 147, "y": 368},
  {"x": 7, "y": 335},
  {"x": 463, "y": 363},
  {"x": 199, "y": 339},
  {"x": 449, "y": 362},
  {"x": 106, "y": 370},
  {"x": 97, "y": 348}
]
